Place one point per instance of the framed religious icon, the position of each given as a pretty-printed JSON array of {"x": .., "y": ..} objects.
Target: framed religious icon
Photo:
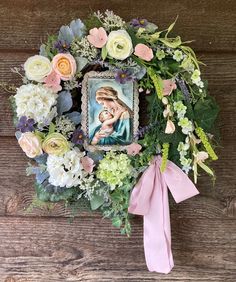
[{"x": 109, "y": 111}]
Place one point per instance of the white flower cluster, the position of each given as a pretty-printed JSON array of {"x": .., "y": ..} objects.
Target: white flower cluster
[
  {"x": 65, "y": 171},
  {"x": 183, "y": 151},
  {"x": 36, "y": 101},
  {"x": 196, "y": 78},
  {"x": 64, "y": 126},
  {"x": 110, "y": 20},
  {"x": 83, "y": 48},
  {"x": 184, "y": 122}
]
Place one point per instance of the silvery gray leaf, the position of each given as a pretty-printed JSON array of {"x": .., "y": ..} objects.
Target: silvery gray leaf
[
  {"x": 64, "y": 102},
  {"x": 42, "y": 50},
  {"x": 42, "y": 159},
  {"x": 68, "y": 33},
  {"x": 41, "y": 177},
  {"x": 75, "y": 117},
  {"x": 18, "y": 134},
  {"x": 81, "y": 63},
  {"x": 78, "y": 28}
]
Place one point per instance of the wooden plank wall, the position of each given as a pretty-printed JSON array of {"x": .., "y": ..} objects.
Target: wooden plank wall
[{"x": 43, "y": 245}]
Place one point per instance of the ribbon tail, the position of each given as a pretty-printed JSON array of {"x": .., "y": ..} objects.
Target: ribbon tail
[
  {"x": 179, "y": 184},
  {"x": 157, "y": 233}
]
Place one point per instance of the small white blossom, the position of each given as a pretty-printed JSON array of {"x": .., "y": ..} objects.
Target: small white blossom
[{"x": 178, "y": 55}]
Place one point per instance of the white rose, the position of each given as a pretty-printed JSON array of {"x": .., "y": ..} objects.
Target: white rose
[
  {"x": 119, "y": 45},
  {"x": 36, "y": 101},
  {"x": 37, "y": 68}
]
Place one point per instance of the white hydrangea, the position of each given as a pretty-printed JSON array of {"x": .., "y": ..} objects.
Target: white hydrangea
[
  {"x": 36, "y": 101},
  {"x": 65, "y": 171}
]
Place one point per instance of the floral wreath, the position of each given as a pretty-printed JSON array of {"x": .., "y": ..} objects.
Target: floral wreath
[{"x": 178, "y": 137}]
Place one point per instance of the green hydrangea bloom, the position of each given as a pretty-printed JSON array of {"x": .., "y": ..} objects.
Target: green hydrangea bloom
[{"x": 114, "y": 168}]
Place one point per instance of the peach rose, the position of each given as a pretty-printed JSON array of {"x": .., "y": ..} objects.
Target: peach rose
[
  {"x": 144, "y": 52},
  {"x": 30, "y": 144},
  {"x": 64, "y": 65},
  {"x": 170, "y": 127},
  {"x": 133, "y": 149},
  {"x": 168, "y": 86}
]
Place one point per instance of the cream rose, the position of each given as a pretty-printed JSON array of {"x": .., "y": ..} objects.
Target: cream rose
[
  {"x": 37, "y": 68},
  {"x": 64, "y": 65},
  {"x": 119, "y": 44},
  {"x": 55, "y": 144},
  {"x": 30, "y": 144}
]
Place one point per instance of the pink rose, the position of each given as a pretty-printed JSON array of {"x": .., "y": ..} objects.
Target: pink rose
[
  {"x": 53, "y": 81},
  {"x": 64, "y": 65},
  {"x": 30, "y": 144},
  {"x": 97, "y": 37},
  {"x": 133, "y": 149},
  {"x": 87, "y": 163},
  {"x": 170, "y": 127},
  {"x": 168, "y": 86},
  {"x": 143, "y": 52}
]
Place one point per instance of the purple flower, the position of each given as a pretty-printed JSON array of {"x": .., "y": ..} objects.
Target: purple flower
[
  {"x": 138, "y": 22},
  {"x": 78, "y": 137},
  {"x": 62, "y": 46},
  {"x": 25, "y": 125},
  {"x": 123, "y": 76}
]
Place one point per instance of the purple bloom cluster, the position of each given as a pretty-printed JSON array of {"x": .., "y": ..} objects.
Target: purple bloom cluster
[
  {"x": 62, "y": 46},
  {"x": 25, "y": 125},
  {"x": 78, "y": 137},
  {"x": 123, "y": 76},
  {"x": 143, "y": 130},
  {"x": 139, "y": 22}
]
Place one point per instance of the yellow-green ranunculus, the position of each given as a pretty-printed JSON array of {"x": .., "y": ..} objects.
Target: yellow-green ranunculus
[
  {"x": 119, "y": 44},
  {"x": 55, "y": 144}
]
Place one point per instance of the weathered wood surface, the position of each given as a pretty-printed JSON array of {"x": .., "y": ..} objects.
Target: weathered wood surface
[
  {"x": 211, "y": 22},
  {"x": 42, "y": 245}
]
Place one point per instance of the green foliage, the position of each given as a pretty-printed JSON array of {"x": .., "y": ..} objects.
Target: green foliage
[
  {"x": 92, "y": 21},
  {"x": 49, "y": 46},
  {"x": 13, "y": 108},
  {"x": 46, "y": 196},
  {"x": 206, "y": 112},
  {"x": 37, "y": 203}
]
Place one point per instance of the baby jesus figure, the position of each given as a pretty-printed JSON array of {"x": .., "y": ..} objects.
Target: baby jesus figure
[{"x": 107, "y": 119}]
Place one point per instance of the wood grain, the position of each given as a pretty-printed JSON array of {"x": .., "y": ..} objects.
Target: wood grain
[
  {"x": 40, "y": 250},
  {"x": 30, "y": 21}
]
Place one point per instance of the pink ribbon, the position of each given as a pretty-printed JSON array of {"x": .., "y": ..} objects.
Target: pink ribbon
[{"x": 150, "y": 199}]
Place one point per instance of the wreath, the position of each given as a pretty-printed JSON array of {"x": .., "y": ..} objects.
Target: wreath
[{"x": 176, "y": 135}]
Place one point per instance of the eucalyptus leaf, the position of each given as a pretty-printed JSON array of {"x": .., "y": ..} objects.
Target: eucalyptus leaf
[
  {"x": 81, "y": 63},
  {"x": 116, "y": 222},
  {"x": 75, "y": 117},
  {"x": 18, "y": 134},
  {"x": 96, "y": 201},
  {"x": 41, "y": 176},
  {"x": 64, "y": 102}
]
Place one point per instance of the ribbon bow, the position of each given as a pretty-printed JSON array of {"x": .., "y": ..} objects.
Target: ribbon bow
[{"x": 150, "y": 199}]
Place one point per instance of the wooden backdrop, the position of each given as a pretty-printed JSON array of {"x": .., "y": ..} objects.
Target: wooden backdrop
[{"x": 43, "y": 245}]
